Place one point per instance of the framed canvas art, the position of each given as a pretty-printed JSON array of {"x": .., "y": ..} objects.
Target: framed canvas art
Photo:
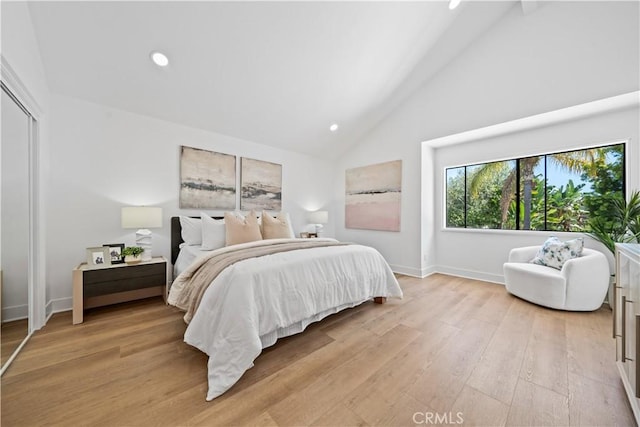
[
  {"x": 372, "y": 199},
  {"x": 207, "y": 179},
  {"x": 261, "y": 184}
]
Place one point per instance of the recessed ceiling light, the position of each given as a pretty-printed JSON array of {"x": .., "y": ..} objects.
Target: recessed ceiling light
[
  {"x": 453, "y": 4},
  {"x": 160, "y": 59},
  {"x": 333, "y": 127}
]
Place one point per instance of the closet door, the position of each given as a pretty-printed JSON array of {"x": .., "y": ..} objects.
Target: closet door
[{"x": 15, "y": 218}]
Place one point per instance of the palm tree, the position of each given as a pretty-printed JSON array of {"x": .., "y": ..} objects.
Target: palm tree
[
  {"x": 573, "y": 161},
  {"x": 565, "y": 208}
]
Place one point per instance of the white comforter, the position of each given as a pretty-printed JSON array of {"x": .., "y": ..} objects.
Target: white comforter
[{"x": 254, "y": 302}]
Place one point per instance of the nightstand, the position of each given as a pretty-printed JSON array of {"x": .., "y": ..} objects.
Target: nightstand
[{"x": 98, "y": 286}]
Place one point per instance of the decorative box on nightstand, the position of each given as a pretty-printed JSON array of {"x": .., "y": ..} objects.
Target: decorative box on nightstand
[{"x": 98, "y": 286}]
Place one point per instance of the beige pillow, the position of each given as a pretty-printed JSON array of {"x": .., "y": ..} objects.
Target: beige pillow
[
  {"x": 241, "y": 230},
  {"x": 276, "y": 228}
]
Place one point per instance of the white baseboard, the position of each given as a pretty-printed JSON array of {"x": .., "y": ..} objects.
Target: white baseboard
[
  {"x": 17, "y": 312},
  {"x": 428, "y": 271},
  {"x": 451, "y": 271},
  {"x": 48, "y": 311},
  {"x": 412, "y": 271},
  {"x": 471, "y": 274},
  {"x": 58, "y": 305}
]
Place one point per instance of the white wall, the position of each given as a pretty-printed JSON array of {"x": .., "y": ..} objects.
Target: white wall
[
  {"x": 21, "y": 57},
  {"x": 563, "y": 54},
  {"x": 401, "y": 249},
  {"x": 20, "y": 49},
  {"x": 103, "y": 158}
]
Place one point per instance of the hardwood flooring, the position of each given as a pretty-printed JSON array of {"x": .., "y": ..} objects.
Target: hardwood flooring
[
  {"x": 12, "y": 333},
  {"x": 452, "y": 350}
]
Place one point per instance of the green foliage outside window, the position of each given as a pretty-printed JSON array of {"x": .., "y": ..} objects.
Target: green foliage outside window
[
  {"x": 455, "y": 197},
  {"x": 553, "y": 192}
]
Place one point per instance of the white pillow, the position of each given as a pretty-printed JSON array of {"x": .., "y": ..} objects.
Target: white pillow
[
  {"x": 554, "y": 252},
  {"x": 191, "y": 230},
  {"x": 213, "y": 233}
]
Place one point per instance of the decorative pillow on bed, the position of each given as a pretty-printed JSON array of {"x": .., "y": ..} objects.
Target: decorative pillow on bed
[
  {"x": 554, "y": 252},
  {"x": 213, "y": 232},
  {"x": 276, "y": 228},
  {"x": 191, "y": 230},
  {"x": 241, "y": 230}
]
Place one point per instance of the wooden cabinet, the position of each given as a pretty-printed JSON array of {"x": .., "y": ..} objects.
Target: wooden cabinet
[
  {"x": 98, "y": 286},
  {"x": 626, "y": 327}
]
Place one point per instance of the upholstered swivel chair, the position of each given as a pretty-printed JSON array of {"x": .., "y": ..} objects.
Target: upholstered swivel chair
[{"x": 581, "y": 285}]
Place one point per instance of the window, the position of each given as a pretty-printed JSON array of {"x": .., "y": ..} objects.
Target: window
[
  {"x": 456, "y": 192},
  {"x": 551, "y": 192}
]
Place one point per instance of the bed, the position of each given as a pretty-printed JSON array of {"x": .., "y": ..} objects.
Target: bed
[{"x": 240, "y": 299}]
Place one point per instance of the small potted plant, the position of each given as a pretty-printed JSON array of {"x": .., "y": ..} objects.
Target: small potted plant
[{"x": 132, "y": 254}]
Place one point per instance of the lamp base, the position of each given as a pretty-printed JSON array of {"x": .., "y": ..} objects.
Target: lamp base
[{"x": 143, "y": 239}]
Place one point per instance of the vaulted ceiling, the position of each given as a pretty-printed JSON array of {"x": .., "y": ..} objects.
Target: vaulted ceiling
[{"x": 275, "y": 73}]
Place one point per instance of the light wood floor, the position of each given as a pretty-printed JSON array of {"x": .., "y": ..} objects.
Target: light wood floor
[
  {"x": 12, "y": 333},
  {"x": 450, "y": 346}
]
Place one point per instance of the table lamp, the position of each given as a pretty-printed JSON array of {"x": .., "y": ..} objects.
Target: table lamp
[
  {"x": 142, "y": 218},
  {"x": 318, "y": 218}
]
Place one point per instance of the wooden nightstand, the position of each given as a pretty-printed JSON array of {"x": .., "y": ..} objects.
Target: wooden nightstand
[{"x": 98, "y": 286}]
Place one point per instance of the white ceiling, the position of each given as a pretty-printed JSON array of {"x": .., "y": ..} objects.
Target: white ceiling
[{"x": 275, "y": 73}]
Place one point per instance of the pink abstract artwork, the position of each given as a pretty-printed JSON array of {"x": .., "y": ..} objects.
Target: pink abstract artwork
[{"x": 373, "y": 196}]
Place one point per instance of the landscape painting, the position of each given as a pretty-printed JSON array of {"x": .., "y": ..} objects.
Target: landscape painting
[
  {"x": 372, "y": 199},
  {"x": 207, "y": 179},
  {"x": 261, "y": 185}
]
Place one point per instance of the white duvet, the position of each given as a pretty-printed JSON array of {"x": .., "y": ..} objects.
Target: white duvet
[{"x": 256, "y": 301}]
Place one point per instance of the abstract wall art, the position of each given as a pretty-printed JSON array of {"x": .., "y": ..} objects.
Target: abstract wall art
[
  {"x": 261, "y": 184},
  {"x": 207, "y": 179},
  {"x": 372, "y": 199}
]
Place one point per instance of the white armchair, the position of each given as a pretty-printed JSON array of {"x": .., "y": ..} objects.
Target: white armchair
[{"x": 581, "y": 285}]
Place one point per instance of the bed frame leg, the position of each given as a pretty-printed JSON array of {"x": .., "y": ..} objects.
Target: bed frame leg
[{"x": 380, "y": 300}]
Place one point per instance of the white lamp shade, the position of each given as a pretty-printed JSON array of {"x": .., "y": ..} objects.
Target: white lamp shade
[
  {"x": 318, "y": 217},
  {"x": 141, "y": 217}
]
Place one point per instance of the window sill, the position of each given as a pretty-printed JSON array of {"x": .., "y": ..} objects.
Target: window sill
[{"x": 513, "y": 232}]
